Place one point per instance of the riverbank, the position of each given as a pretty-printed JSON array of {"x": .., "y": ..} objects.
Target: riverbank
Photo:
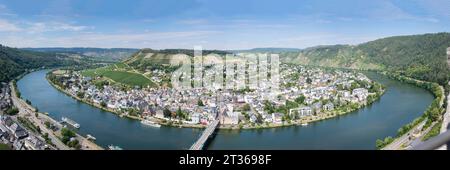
[
  {"x": 38, "y": 119},
  {"x": 430, "y": 119},
  {"x": 177, "y": 123}
]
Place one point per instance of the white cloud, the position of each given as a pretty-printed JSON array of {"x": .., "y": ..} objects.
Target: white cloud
[
  {"x": 4, "y": 11},
  {"x": 38, "y": 27},
  {"x": 7, "y": 26},
  {"x": 182, "y": 39}
]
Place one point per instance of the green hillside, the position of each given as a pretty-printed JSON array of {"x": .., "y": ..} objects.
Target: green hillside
[
  {"x": 419, "y": 56},
  {"x": 104, "y": 54},
  {"x": 14, "y": 61}
]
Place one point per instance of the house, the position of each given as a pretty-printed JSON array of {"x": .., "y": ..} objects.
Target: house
[
  {"x": 317, "y": 107},
  {"x": 18, "y": 145},
  {"x": 231, "y": 118},
  {"x": 33, "y": 143},
  {"x": 360, "y": 93},
  {"x": 159, "y": 114},
  {"x": 6, "y": 120},
  {"x": 344, "y": 93},
  {"x": 309, "y": 101},
  {"x": 18, "y": 131},
  {"x": 301, "y": 112},
  {"x": 305, "y": 111},
  {"x": 195, "y": 118},
  {"x": 204, "y": 121},
  {"x": 253, "y": 118},
  {"x": 328, "y": 107},
  {"x": 277, "y": 118},
  {"x": 267, "y": 118}
]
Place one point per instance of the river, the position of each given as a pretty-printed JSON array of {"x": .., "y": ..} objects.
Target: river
[{"x": 357, "y": 130}]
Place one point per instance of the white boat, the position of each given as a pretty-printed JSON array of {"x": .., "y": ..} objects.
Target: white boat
[
  {"x": 90, "y": 137},
  {"x": 304, "y": 124},
  {"x": 150, "y": 123},
  {"x": 112, "y": 147},
  {"x": 70, "y": 122}
]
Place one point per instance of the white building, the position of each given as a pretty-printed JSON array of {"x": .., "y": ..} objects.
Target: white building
[
  {"x": 360, "y": 93},
  {"x": 277, "y": 118}
]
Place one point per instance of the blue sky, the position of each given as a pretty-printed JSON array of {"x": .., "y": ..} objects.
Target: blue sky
[{"x": 214, "y": 24}]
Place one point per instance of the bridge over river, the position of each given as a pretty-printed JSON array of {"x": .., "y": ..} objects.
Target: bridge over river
[{"x": 199, "y": 144}]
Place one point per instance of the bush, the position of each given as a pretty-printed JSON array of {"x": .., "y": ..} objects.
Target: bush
[
  {"x": 382, "y": 143},
  {"x": 12, "y": 111},
  {"x": 66, "y": 135},
  {"x": 433, "y": 132}
]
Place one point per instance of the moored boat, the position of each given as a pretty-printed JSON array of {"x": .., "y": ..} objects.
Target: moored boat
[
  {"x": 150, "y": 123},
  {"x": 70, "y": 122},
  {"x": 112, "y": 147}
]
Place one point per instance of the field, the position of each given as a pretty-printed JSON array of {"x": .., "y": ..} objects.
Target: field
[
  {"x": 4, "y": 147},
  {"x": 129, "y": 78},
  {"x": 98, "y": 71},
  {"x": 119, "y": 73}
]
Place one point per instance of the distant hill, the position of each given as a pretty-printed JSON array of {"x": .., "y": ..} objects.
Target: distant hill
[
  {"x": 107, "y": 54},
  {"x": 147, "y": 58},
  {"x": 15, "y": 61},
  {"x": 418, "y": 56},
  {"x": 267, "y": 50}
]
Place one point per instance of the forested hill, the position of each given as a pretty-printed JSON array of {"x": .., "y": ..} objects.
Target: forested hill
[
  {"x": 13, "y": 61},
  {"x": 419, "y": 56},
  {"x": 105, "y": 54}
]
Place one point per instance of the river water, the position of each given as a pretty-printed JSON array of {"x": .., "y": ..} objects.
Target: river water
[{"x": 357, "y": 130}]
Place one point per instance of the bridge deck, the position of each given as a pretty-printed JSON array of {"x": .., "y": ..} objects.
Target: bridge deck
[{"x": 198, "y": 145}]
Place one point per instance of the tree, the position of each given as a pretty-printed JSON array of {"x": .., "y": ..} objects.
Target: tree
[
  {"x": 80, "y": 95},
  {"x": 200, "y": 103},
  {"x": 246, "y": 107},
  {"x": 103, "y": 104},
  {"x": 47, "y": 124},
  {"x": 67, "y": 134},
  {"x": 74, "y": 144},
  {"x": 300, "y": 99},
  {"x": 12, "y": 111},
  {"x": 290, "y": 104},
  {"x": 354, "y": 85},
  {"x": 268, "y": 107},
  {"x": 180, "y": 114},
  {"x": 167, "y": 112},
  {"x": 308, "y": 80}
]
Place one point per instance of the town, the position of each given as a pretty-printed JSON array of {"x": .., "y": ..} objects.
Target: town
[
  {"x": 23, "y": 127},
  {"x": 11, "y": 132},
  {"x": 305, "y": 95}
]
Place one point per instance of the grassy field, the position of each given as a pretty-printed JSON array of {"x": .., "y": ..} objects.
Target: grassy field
[
  {"x": 97, "y": 71},
  {"x": 4, "y": 147},
  {"x": 133, "y": 79},
  {"x": 119, "y": 75}
]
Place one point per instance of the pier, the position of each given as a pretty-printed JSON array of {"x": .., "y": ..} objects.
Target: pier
[{"x": 199, "y": 144}]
